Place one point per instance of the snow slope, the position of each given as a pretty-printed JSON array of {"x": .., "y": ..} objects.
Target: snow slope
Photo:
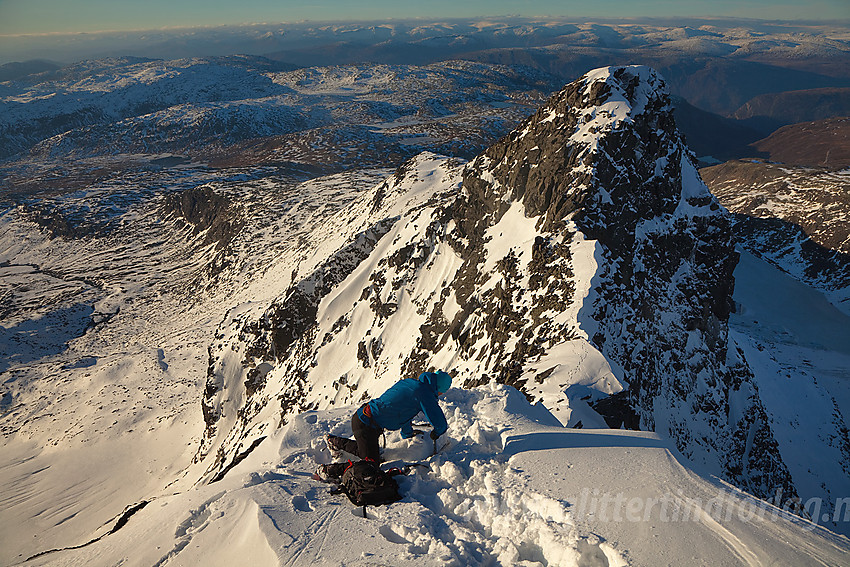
[
  {"x": 513, "y": 488},
  {"x": 206, "y": 327},
  {"x": 109, "y": 406},
  {"x": 798, "y": 345}
]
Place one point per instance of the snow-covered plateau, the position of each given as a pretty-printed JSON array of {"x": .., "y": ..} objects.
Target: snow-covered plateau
[{"x": 635, "y": 385}]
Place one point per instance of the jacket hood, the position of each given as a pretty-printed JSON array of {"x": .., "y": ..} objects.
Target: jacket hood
[{"x": 440, "y": 380}]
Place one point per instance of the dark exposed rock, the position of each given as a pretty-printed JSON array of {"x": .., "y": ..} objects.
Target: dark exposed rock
[
  {"x": 274, "y": 337},
  {"x": 256, "y": 378},
  {"x": 211, "y": 388},
  {"x": 363, "y": 354},
  {"x": 237, "y": 459},
  {"x": 289, "y": 317},
  {"x": 72, "y": 219},
  {"x": 617, "y": 410},
  {"x": 57, "y": 224},
  {"x": 205, "y": 211},
  {"x": 605, "y": 154}
]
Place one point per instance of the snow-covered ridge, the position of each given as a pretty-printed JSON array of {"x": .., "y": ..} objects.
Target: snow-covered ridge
[
  {"x": 599, "y": 288},
  {"x": 572, "y": 268},
  {"x": 662, "y": 290}
]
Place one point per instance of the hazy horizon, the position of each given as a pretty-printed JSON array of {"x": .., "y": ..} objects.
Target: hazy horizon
[
  {"x": 266, "y": 38},
  {"x": 88, "y": 16}
]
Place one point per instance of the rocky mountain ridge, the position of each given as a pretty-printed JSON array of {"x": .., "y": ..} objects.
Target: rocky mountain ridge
[{"x": 578, "y": 257}]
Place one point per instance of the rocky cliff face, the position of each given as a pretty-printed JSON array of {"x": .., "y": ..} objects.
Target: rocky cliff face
[
  {"x": 579, "y": 257},
  {"x": 792, "y": 307},
  {"x": 604, "y": 158}
]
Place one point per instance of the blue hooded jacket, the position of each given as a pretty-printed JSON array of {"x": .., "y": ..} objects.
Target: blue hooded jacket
[{"x": 396, "y": 408}]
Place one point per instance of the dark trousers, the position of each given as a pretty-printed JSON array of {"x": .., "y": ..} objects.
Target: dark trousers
[
  {"x": 365, "y": 442},
  {"x": 366, "y": 438},
  {"x": 364, "y": 445}
]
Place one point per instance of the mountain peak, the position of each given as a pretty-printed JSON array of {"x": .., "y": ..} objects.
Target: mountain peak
[
  {"x": 638, "y": 86},
  {"x": 581, "y": 257},
  {"x": 604, "y": 159},
  {"x": 605, "y": 144}
]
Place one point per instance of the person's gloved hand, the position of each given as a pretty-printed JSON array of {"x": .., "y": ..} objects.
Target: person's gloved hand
[{"x": 434, "y": 435}]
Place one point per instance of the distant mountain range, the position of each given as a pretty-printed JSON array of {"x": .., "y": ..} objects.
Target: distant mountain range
[
  {"x": 248, "y": 111},
  {"x": 717, "y": 65},
  {"x": 736, "y": 85}
]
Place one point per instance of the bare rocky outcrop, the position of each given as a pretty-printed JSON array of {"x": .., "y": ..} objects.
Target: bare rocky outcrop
[
  {"x": 604, "y": 157},
  {"x": 205, "y": 211}
]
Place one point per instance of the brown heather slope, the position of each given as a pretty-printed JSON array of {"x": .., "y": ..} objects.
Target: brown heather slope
[
  {"x": 791, "y": 107},
  {"x": 823, "y": 143},
  {"x": 815, "y": 200}
]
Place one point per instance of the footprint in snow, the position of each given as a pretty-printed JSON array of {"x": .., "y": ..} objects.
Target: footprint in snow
[
  {"x": 591, "y": 555},
  {"x": 390, "y": 535},
  {"x": 301, "y": 504}
]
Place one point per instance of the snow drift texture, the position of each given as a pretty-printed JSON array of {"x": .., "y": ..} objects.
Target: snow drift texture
[{"x": 514, "y": 488}]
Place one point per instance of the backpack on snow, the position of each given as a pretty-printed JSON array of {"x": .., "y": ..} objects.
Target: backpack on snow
[{"x": 366, "y": 484}]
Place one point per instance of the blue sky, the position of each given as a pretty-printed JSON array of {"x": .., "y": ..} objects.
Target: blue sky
[{"x": 44, "y": 16}]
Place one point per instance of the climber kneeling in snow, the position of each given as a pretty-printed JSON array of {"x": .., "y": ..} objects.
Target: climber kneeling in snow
[{"x": 394, "y": 409}]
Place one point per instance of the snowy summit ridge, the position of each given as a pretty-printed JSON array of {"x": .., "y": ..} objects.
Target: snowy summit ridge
[
  {"x": 575, "y": 278},
  {"x": 579, "y": 257},
  {"x": 605, "y": 155}
]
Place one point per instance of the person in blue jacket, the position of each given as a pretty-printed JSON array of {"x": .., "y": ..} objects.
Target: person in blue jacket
[{"x": 395, "y": 409}]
